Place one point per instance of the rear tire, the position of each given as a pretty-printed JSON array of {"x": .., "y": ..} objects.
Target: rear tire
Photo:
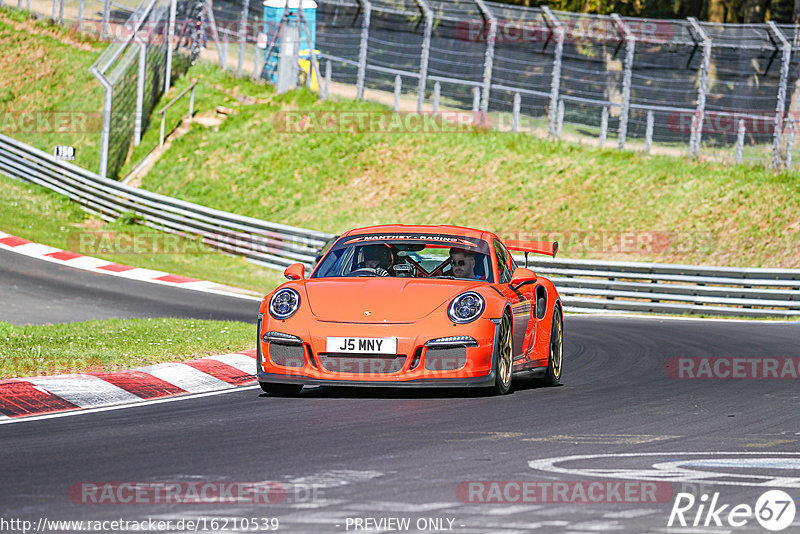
[
  {"x": 281, "y": 390},
  {"x": 552, "y": 376},
  {"x": 503, "y": 358}
]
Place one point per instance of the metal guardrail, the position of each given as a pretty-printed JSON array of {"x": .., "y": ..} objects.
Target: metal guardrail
[
  {"x": 585, "y": 285},
  {"x": 271, "y": 244},
  {"x": 598, "y": 286}
]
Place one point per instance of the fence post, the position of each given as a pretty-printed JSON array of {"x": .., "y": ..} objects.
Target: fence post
[
  {"x": 60, "y": 11},
  {"x": 224, "y": 58},
  {"x": 362, "y": 48},
  {"x": 515, "y": 113},
  {"x": 697, "y": 121},
  {"x": 476, "y": 102},
  {"x": 740, "y": 141},
  {"x": 104, "y": 136},
  {"x": 426, "y": 50},
  {"x": 313, "y": 66},
  {"x": 398, "y": 85},
  {"x": 780, "y": 106},
  {"x": 212, "y": 23},
  {"x": 648, "y": 134},
  {"x": 80, "y": 15},
  {"x": 137, "y": 124},
  {"x": 488, "y": 61},
  {"x": 328, "y": 73},
  {"x": 106, "y": 18},
  {"x": 173, "y": 6},
  {"x": 603, "y": 126},
  {"x": 560, "y": 119},
  {"x": 243, "y": 36},
  {"x": 630, "y": 48},
  {"x": 53, "y": 14},
  {"x": 437, "y": 89},
  {"x": 789, "y": 145},
  {"x": 555, "y": 83}
]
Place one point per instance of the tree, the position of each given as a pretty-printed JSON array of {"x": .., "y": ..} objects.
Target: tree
[{"x": 755, "y": 11}]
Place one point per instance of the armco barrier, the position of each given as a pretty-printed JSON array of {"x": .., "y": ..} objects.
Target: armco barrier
[
  {"x": 271, "y": 244},
  {"x": 585, "y": 285},
  {"x": 597, "y": 286}
]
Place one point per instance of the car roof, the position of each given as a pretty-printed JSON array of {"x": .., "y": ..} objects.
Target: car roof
[{"x": 423, "y": 229}]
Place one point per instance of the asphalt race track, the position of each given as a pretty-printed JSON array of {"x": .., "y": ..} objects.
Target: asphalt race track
[
  {"x": 354, "y": 460},
  {"x": 40, "y": 292}
]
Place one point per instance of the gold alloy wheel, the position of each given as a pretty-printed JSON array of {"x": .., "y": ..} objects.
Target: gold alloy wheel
[
  {"x": 505, "y": 356},
  {"x": 557, "y": 345}
]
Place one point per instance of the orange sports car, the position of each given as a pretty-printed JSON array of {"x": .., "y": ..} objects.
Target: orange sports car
[{"x": 396, "y": 305}]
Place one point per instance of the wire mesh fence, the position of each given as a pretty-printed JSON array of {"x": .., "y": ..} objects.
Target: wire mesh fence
[{"x": 728, "y": 92}]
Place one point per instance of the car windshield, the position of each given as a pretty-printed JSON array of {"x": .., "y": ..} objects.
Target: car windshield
[{"x": 411, "y": 255}]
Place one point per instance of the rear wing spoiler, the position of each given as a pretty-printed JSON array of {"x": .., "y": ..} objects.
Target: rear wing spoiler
[{"x": 549, "y": 248}]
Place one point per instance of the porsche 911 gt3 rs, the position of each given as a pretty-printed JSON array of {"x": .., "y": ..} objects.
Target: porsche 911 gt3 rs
[{"x": 412, "y": 306}]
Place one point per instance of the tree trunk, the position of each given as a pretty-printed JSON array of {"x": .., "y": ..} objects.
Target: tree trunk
[
  {"x": 755, "y": 11},
  {"x": 723, "y": 11}
]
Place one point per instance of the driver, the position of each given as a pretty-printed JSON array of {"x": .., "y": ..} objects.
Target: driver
[
  {"x": 463, "y": 264},
  {"x": 379, "y": 258}
]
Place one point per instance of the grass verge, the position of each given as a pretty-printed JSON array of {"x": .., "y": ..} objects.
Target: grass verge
[
  {"x": 44, "y": 76},
  {"x": 600, "y": 204},
  {"x": 114, "y": 344}
]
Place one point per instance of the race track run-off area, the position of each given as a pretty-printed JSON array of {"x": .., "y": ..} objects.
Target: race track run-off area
[{"x": 635, "y": 437}]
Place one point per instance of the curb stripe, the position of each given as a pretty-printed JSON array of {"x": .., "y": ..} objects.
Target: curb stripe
[
  {"x": 116, "y": 267},
  {"x": 141, "y": 384},
  {"x": 245, "y": 363},
  {"x": 185, "y": 377},
  {"x": 84, "y": 390},
  {"x": 22, "y": 398},
  {"x": 222, "y": 371},
  {"x": 63, "y": 255},
  {"x": 176, "y": 279},
  {"x": 13, "y": 241}
]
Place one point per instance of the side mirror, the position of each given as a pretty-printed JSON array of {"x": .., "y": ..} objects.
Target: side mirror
[
  {"x": 296, "y": 271},
  {"x": 521, "y": 275}
]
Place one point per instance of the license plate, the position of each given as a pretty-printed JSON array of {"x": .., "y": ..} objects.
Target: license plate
[{"x": 363, "y": 345}]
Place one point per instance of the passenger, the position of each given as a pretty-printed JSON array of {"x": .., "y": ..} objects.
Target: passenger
[{"x": 463, "y": 264}]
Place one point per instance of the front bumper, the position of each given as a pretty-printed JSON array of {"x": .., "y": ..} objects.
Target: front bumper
[{"x": 413, "y": 367}]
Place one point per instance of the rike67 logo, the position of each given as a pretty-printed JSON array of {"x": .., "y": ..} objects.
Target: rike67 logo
[{"x": 774, "y": 510}]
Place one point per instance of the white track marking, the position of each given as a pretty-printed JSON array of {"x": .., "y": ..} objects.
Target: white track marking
[{"x": 670, "y": 471}]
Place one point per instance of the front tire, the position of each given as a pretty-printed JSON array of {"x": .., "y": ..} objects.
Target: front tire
[
  {"x": 552, "y": 376},
  {"x": 281, "y": 390},
  {"x": 503, "y": 358}
]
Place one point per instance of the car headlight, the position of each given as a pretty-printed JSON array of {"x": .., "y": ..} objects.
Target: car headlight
[
  {"x": 284, "y": 303},
  {"x": 466, "y": 307}
]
